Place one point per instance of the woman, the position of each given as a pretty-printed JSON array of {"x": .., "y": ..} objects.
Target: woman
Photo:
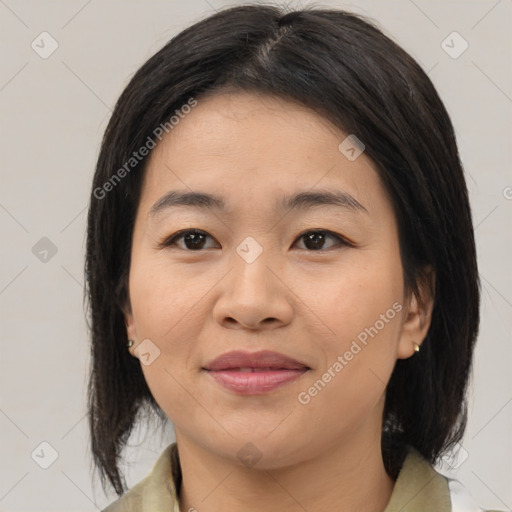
[{"x": 281, "y": 261}]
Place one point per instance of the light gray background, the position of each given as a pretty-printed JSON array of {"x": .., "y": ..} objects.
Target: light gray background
[{"x": 53, "y": 114}]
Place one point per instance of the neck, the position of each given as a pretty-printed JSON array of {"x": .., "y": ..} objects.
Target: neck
[{"x": 344, "y": 477}]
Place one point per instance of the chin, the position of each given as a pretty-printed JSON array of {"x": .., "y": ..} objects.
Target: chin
[{"x": 264, "y": 452}]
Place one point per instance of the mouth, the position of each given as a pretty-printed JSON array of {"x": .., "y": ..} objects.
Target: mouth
[{"x": 254, "y": 373}]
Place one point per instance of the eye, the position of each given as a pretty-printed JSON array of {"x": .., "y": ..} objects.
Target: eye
[
  {"x": 314, "y": 240},
  {"x": 194, "y": 240}
]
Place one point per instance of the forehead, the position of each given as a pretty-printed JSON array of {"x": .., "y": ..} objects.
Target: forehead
[
  {"x": 222, "y": 124},
  {"x": 242, "y": 146}
]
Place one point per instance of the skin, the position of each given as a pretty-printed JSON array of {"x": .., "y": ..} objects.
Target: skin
[{"x": 195, "y": 305}]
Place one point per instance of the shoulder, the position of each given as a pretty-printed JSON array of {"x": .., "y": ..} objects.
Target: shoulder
[
  {"x": 157, "y": 491},
  {"x": 130, "y": 501},
  {"x": 420, "y": 487}
]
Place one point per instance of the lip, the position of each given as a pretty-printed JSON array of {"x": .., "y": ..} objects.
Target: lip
[
  {"x": 261, "y": 359},
  {"x": 254, "y": 373}
]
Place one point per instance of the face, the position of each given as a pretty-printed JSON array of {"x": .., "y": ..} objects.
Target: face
[{"x": 315, "y": 280}]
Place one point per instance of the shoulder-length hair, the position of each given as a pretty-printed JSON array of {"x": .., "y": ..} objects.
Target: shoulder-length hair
[{"x": 343, "y": 67}]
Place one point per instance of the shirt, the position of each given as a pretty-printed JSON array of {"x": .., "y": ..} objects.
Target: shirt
[{"x": 418, "y": 488}]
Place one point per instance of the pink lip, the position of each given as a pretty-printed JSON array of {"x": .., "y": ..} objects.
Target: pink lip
[{"x": 254, "y": 373}]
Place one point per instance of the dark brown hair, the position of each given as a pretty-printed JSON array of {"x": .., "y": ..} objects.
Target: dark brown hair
[{"x": 342, "y": 66}]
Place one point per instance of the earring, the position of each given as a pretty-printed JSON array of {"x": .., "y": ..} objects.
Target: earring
[
  {"x": 130, "y": 343},
  {"x": 416, "y": 347}
]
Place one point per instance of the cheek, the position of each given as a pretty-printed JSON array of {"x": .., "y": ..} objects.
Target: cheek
[
  {"x": 354, "y": 297},
  {"x": 164, "y": 314},
  {"x": 362, "y": 309},
  {"x": 161, "y": 297},
  {"x": 169, "y": 319}
]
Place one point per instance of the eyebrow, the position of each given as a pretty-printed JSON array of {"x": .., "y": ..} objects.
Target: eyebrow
[{"x": 299, "y": 202}]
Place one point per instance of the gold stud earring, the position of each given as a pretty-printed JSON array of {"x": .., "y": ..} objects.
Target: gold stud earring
[{"x": 416, "y": 347}]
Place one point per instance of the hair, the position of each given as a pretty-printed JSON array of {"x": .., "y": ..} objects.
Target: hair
[{"x": 343, "y": 67}]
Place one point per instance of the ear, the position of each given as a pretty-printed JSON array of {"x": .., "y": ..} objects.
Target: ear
[
  {"x": 131, "y": 329},
  {"x": 418, "y": 314}
]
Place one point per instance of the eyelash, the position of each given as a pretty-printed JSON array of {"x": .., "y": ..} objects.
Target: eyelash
[{"x": 171, "y": 241}]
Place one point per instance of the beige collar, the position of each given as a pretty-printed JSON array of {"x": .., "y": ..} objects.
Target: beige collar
[{"x": 418, "y": 487}]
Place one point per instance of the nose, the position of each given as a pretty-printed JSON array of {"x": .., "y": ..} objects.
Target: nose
[{"x": 253, "y": 296}]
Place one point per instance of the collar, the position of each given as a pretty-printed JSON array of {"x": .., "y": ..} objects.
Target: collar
[{"x": 418, "y": 487}]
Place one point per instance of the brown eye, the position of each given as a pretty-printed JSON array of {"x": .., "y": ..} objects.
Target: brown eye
[
  {"x": 196, "y": 240},
  {"x": 193, "y": 240},
  {"x": 315, "y": 240}
]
